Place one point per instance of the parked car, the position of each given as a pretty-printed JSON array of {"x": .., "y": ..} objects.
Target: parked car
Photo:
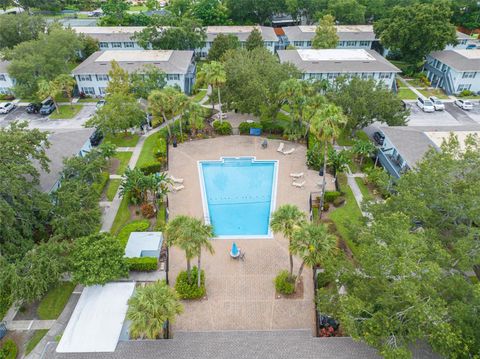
[
  {"x": 471, "y": 47},
  {"x": 437, "y": 103},
  {"x": 464, "y": 104},
  {"x": 96, "y": 137},
  {"x": 425, "y": 104},
  {"x": 100, "y": 104},
  {"x": 33, "y": 107},
  {"x": 48, "y": 106},
  {"x": 379, "y": 137},
  {"x": 7, "y": 107}
]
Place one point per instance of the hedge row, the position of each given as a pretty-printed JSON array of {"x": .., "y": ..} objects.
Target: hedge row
[
  {"x": 99, "y": 186},
  {"x": 143, "y": 264},
  {"x": 222, "y": 127}
]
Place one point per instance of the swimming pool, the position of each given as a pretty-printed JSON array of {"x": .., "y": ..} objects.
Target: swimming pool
[{"x": 238, "y": 195}]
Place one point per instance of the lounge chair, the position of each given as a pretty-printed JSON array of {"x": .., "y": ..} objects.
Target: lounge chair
[
  {"x": 288, "y": 152},
  {"x": 178, "y": 188},
  {"x": 280, "y": 147},
  {"x": 296, "y": 175},
  {"x": 176, "y": 180},
  {"x": 264, "y": 144},
  {"x": 298, "y": 184}
]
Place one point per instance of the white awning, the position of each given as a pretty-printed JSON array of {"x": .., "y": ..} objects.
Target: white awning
[{"x": 97, "y": 320}]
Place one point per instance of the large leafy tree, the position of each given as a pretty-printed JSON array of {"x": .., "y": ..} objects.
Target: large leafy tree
[
  {"x": 254, "y": 40},
  {"x": 118, "y": 80},
  {"x": 24, "y": 209},
  {"x": 179, "y": 7},
  {"x": 150, "y": 307},
  {"x": 115, "y": 12},
  {"x": 51, "y": 55},
  {"x": 254, "y": 12},
  {"x": 221, "y": 44},
  {"x": 144, "y": 81},
  {"x": 466, "y": 13},
  {"x": 416, "y": 30},
  {"x": 15, "y": 29},
  {"x": 347, "y": 11},
  {"x": 366, "y": 101},
  {"x": 253, "y": 81},
  {"x": 303, "y": 9},
  {"x": 286, "y": 220},
  {"x": 50, "y": 5},
  {"x": 98, "y": 259},
  {"x": 326, "y": 34},
  {"x": 211, "y": 12}
]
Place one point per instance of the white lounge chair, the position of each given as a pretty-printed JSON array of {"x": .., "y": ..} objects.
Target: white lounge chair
[
  {"x": 176, "y": 180},
  {"x": 178, "y": 188},
  {"x": 289, "y": 152},
  {"x": 298, "y": 184},
  {"x": 280, "y": 147},
  {"x": 296, "y": 175}
]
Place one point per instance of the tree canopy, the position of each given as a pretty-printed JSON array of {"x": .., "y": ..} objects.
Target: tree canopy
[
  {"x": 15, "y": 29},
  {"x": 326, "y": 34},
  {"x": 211, "y": 12},
  {"x": 254, "y": 40},
  {"x": 221, "y": 44},
  {"x": 347, "y": 11}
]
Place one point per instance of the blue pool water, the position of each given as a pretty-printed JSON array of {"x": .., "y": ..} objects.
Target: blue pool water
[{"x": 238, "y": 193}]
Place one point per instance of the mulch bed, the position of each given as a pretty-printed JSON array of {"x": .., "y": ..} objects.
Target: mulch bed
[{"x": 297, "y": 295}]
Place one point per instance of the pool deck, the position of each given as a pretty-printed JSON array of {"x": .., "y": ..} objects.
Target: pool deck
[{"x": 241, "y": 295}]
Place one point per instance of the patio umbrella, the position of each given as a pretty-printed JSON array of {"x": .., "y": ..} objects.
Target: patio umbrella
[{"x": 234, "y": 250}]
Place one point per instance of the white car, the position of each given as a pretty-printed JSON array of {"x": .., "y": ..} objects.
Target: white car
[
  {"x": 464, "y": 104},
  {"x": 7, "y": 107},
  {"x": 425, "y": 105},
  {"x": 437, "y": 103}
]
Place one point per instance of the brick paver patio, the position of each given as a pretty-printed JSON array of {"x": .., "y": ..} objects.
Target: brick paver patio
[{"x": 241, "y": 295}]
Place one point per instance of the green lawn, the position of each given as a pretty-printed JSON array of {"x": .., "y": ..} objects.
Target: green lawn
[
  {"x": 65, "y": 112},
  {"x": 406, "y": 94},
  {"x": 34, "y": 340},
  {"x": 161, "y": 217},
  {"x": 363, "y": 188},
  {"x": 120, "y": 140},
  {"x": 124, "y": 158},
  {"x": 51, "y": 306},
  {"x": 88, "y": 99},
  {"x": 199, "y": 96},
  {"x": 137, "y": 8},
  {"x": 345, "y": 139},
  {"x": 112, "y": 188},
  {"x": 286, "y": 108},
  {"x": 122, "y": 216},
  {"x": 433, "y": 92},
  {"x": 146, "y": 156},
  {"x": 348, "y": 216}
]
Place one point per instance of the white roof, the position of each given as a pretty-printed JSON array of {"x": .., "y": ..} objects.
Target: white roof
[
  {"x": 438, "y": 137},
  {"x": 335, "y": 55},
  {"x": 135, "y": 56},
  {"x": 142, "y": 241},
  {"x": 473, "y": 54},
  {"x": 107, "y": 29},
  {"x": 97, "y": 320}
]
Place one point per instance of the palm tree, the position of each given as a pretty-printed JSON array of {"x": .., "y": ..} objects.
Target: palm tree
[
  {"x": 179, "y": 104},
  {"x": 66, "y": 84},
  {"x": 201, "y": 235},
  {"x": 326, "y": 125},
  {"x": 286, "y": 219},
  {"x": 313, "y": 244},
  {"x": 150, "y": 307},
  {"x": 215, "y": 76},
  {"x": 338, "y": 160},
  {"x": 195, "y": 117},
  {"x": 363, "y": 148},
  {"x": 161, "y": 103},
  {"x": 49, "y": 89}
]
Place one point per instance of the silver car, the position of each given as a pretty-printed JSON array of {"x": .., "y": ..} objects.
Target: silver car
[
  {"x": 437, "y": 103},
  {"x": 7, "y": 107},
  {"x": 464, "y": 104}
]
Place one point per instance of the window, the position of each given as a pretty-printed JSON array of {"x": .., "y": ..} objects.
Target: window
[
  {"x": 88, "y": 90},
  {"x": 173, "y": 77},
  {"x": 341, "y": 44},
  {"x": 116, "y": 44},
  {"x": 128, "y": 44},
  {"x": 462, "y": 87},
  {"x": 298, "y": 43},
  {"x": 102, "y": 77},
  {"x": 103, "y": 45},
  {"x": 469, "y": 75},
  {"x": 101, "y": 90},
  {"x": 268, "y": 43},
  {"x": 351, "y": 43},
  {"x": 384, "y": 75},
  {"x": 2, "y": 77},
  {"x": 365, "y": 43},
  {"x": 309, "y": 44},
  {"x": 316, "y": 76},
  {"x": 367, "y": 75},
  {"x": 84, "y": 77}
]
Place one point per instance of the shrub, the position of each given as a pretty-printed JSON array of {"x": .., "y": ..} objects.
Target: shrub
[
  {"x": 7, "y": 97},
  {"x": 245, "y": 127},
  {"x": 135, "y": 226},
  {"x": 324, "y": 279},
  {"x": 284, "y": 283},
  {"x": 326, "y": 207},
  {"x": 272, "y": 127},
  {"x": 222, "y": 128},
  {"x": 466, "y": 93},
  {"x": 160, "y": 149},
  {"x": 143, "y": 264},
  {"x": 190, "y": 290},
  {"x": 147, "y": 210},
  {"x": 337, "y": 202},
  {"x": 99, "y": 186},
  {"x": 330, "y": 196},
  {"x": 153, "y": 167},
  {"x": 315, "y": 157},
  {"x": 9, "y": 350}
]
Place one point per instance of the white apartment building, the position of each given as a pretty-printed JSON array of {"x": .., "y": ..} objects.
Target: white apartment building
[
  {"x": 112, "y": 37},
  {"x": 270, "y": 39},
  {"x": 329, "y": 64},
  {"x": 454, "y": 70},
  {"x": 92, "y": 74},
  {"x": 6, "y": 82}
]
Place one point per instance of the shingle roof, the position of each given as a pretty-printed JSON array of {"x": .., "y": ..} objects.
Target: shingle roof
[
  {"x": 109, "y": 33},
  {"x": 337, "y": 60},
  {"x": 63, "y": 144},
  {"x": 242, "y": 32},
  {"x": 344, "y": 32},
  {"x": 461, "y": 60},
  {"x": 169, "y": 61}
]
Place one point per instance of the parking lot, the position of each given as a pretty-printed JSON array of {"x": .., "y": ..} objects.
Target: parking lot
[
  {"x": 452, "y": 116},
  {"x": 43, "y": 122}
]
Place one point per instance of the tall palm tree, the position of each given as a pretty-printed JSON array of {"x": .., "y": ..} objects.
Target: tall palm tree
[
  {"x": 179, "y": 104},
  {"x": 162, "y": 103},
  {"x": 201, "y": 235},
  {"x": 215, "y": 76},
  {"x": 326, "y": 125},
  {"x": 195, "y": 117},
  {"x": 66, "y": 84},
  {"x": 286, "y": 219},
  {"x": 313, "y": 244},
  {"x": 150, "y": 307},
  {"x": 49, "y": 89}
]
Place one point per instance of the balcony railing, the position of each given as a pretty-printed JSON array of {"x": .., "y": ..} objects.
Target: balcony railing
[{"x": 390, "y": 163}]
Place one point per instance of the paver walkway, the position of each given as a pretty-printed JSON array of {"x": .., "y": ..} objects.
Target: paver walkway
[{"x": 30, "y": 324}]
